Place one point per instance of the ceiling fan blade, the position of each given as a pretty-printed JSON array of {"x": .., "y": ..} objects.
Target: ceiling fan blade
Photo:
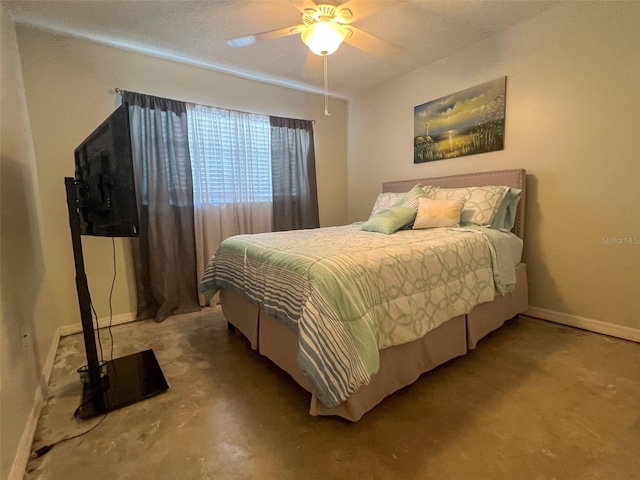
[
  {"x": 303, "y": 5},
  {"x": 271, "y": 34},
  {"x": 370, "y": 43},
  {"x": 354, "y": 10}
]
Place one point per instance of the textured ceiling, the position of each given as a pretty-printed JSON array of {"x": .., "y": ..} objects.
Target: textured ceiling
[{"x": 197, "y": 32}]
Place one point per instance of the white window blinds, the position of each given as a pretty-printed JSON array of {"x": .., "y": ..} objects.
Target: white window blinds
[{"x": 230, "y": 156}]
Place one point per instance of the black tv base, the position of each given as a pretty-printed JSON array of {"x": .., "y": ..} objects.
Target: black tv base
[{"x": 128, "y": 380}]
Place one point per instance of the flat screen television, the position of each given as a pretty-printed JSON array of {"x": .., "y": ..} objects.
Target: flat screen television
[
  {"x": 104, "y": 177},
  {"x": 101, "y": 199}
]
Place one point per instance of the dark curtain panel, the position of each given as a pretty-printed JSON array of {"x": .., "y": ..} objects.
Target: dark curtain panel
[
  {"x": 164, "y": 255},
  {"x": 293, "y": 162}
]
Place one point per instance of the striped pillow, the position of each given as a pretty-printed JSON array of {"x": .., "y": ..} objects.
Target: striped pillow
[{"x": 410, "y": 199}]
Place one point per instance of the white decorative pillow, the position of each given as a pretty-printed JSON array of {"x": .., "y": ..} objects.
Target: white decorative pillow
[
  {"x": 438, "y": 213},
  {"x": 481, "y": 203},
  {"x": 385, "y": 200}
]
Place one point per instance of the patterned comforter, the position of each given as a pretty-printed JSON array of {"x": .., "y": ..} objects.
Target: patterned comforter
[{"x": 350, "y": 293}]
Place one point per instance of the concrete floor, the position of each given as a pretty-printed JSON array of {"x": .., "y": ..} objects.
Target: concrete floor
[{"x": 534, "y": 401}]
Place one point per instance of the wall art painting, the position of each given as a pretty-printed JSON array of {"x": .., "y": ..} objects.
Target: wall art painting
[{"x": 464, "y": 123}]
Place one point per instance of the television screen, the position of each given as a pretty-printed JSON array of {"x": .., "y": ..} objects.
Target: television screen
[{"x": 105, "y": 180}]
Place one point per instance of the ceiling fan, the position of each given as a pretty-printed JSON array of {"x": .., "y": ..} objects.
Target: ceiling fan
[
  {"x": 325, "y": 26},
  {"x": 323, "y": 29}
]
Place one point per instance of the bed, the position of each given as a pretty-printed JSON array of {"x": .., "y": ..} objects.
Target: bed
[{"x": 280, "y": 330}]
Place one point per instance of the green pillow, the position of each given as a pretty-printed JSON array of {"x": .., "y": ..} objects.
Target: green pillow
[
  {"x": 410, "y": 200},
  {"x": 389, "y": 220},
  {"x": 505, "y": 217}
]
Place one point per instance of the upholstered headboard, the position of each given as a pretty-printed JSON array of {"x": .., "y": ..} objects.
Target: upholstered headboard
[{"x": 516, "y": 178}]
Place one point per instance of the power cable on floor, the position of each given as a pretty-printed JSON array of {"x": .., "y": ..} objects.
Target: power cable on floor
[
  {"x": 47, "y": 448},
  {"x": 43, "y": 450}
]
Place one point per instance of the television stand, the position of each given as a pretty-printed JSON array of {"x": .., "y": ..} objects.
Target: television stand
[{"x": 129, "y": 379}]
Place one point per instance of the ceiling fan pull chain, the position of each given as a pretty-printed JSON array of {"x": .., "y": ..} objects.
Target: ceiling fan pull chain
[{"x": 326, "y": 88}]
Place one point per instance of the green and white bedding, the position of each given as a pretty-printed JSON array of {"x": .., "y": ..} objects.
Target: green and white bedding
[{"x": 349, "y": 293}]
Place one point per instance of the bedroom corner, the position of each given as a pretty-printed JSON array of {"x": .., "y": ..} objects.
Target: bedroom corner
[
  {"x": 582, "y": 214},
  {"x": 29, "y": 330}
]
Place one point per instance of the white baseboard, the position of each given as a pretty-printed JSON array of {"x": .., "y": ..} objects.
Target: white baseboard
[
  {"x": 24, "y": 447},
  {"x": 103, "y": 322},
  {"x": 598, "y": 326}
]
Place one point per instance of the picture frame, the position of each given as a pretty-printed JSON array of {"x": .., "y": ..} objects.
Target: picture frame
[{"x": 468, "y": 122}]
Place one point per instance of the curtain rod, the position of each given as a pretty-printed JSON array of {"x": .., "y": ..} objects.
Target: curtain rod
[{"x": 122, "y": 92}]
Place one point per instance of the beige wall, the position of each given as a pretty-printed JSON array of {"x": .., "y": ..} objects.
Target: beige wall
[
  {"x": 573, "y": 97},
  {"x": 29, "y": 309},
  {"x": 572, "y": 104},
  {"x": 70, "y": 89}
]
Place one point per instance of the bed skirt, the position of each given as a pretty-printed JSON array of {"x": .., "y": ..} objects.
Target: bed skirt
[{"x": 400, "y": 365}]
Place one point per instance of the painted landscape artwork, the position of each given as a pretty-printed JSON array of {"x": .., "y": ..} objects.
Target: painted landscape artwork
[{"x": 464, "y": 123}]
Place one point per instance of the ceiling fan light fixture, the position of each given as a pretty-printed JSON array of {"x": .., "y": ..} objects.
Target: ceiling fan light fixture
[{"x": 324, "y": 37}]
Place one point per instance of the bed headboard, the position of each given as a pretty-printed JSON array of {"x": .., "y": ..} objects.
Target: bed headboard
[{"x": 516, "y": 178}]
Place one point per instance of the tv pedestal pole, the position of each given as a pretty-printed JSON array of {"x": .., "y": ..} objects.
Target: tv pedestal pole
[{"x": 128, "y": 379}]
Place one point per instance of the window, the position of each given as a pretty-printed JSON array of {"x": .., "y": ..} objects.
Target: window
[{"x": 230, "y": 156}]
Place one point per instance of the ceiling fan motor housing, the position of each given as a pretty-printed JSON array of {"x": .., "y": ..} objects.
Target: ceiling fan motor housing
[
  {"x": 326, "y": 13},
  {"x": 325, "y": 28}
]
